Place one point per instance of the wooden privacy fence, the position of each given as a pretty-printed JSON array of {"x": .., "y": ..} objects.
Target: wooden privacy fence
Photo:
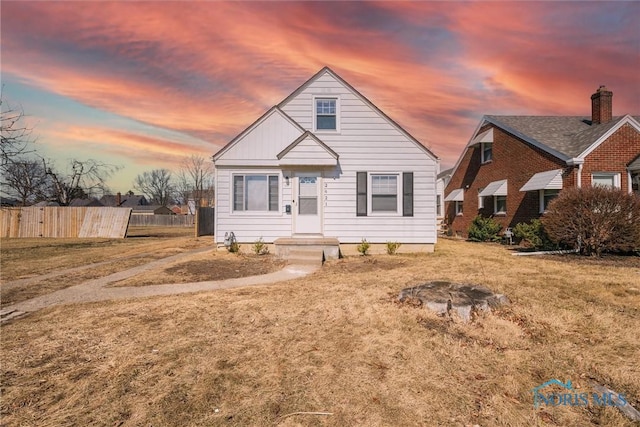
[
  {"x": 205, "y": 221},
  {"x": 162, "y": 220},
  {"x": 64, "y": 221}
]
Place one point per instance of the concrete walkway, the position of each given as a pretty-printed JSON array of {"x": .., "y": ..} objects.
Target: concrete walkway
[{"x": 97, "y": 290}]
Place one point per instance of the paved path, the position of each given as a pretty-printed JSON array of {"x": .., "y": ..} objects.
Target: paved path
[{"x": 97, "y": 290}]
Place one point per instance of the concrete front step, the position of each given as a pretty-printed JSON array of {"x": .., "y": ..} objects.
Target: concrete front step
[
  {"x": 305, "y": 256},
  {"x": 307, "y": 250}
]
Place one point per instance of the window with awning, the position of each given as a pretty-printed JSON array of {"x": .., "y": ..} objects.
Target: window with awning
[
  {"x": 547, "y": 180},
  {"x": 496, "y": 188}
]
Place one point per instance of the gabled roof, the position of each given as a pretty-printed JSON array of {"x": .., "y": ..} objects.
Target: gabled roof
[
  {"x": 564, "y": 137},
  {"x": 445, "y": 173},
  {"x": 273, "y": 110},
  {"x": 634, "y": 165},
  {"x": 308, "y": 150},
  {"x": 363, "y": 99}
]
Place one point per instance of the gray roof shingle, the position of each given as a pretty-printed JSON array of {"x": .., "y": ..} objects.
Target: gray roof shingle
[{"x": 569, "y": 135}]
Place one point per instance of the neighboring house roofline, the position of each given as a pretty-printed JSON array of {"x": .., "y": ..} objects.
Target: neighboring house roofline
[
  {"x": 255, "y": 124},
  {"x": 454, "y": 169},
  {"x": 302, "y": 138},
  {"x": 527, "y": 138},
  {"x": 363, "y": 99},
  {"x": 627, "y": 119}
]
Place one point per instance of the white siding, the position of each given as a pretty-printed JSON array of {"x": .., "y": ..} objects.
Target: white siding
[
  {"x": 308, "y": 152},
  {"x": 262, "y": 143},
  {"x": 366, "y": 142},
  {"x": 249, "y": 227}
]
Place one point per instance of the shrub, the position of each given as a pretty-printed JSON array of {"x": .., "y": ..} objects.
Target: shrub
[
  {"x": 363, "y": 247},
  {"x": 234, "y": 247},
  {"x": 260, "y": 247},
  {"x": 483, "y": 229},
  {"x": 392, "y": 247},
  {"x": 594, "y": 220},
  {"x": 533, "y": 235}
]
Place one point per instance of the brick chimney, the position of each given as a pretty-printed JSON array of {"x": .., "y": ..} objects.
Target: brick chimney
[
  {"x": 601, "y": 108},
  {"x": 118, "y": 198}
]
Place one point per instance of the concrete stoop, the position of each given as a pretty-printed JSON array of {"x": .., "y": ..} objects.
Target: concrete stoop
[{"x": 307, "y": 251}]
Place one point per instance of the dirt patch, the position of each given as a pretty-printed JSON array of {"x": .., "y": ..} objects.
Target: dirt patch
[
  {"x": 208, "y": 267},
  {"x": 366, "y": 264}
]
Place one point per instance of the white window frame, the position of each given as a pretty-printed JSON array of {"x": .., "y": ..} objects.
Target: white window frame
[
  {"x": 482, "y": 150},
  {"x": 542, "y": 193},
  {"x": 315, "y": 113},
  {"x": 495, "y": 206},
  {"x": 480, "y": 199},
  {"x": 398, "y": 211},
  {"x": 243, "y": 212},
  {"x": 458, "y": 206},
  {"x": 614, "y": 175},
  {"x": 438, "y": 205}
]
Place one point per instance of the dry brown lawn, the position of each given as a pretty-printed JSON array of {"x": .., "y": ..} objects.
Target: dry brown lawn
[{"x": 336, "y": 342}]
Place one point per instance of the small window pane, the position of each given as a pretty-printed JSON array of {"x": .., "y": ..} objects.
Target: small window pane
[
  {"x": 273, "y": 193},
  {"x": 238, "y": 193},
  {"x": 384, "y": 203},
  {"x": 548, "y": 196},
  {"x": 501, "y": 204},
  {"x": 487, "y": 152},
  {"x": 308, "y": 206},
  {"x": 603, "y": 180},
  {"x": 326, "y": 122}
]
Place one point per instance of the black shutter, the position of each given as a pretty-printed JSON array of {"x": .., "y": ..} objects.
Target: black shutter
[
  {"x": 407, "y": 194},
  {"x": 361, "y": 194}
]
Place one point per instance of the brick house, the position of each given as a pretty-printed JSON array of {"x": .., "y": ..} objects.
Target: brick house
[{"x": 514, "y": 165}]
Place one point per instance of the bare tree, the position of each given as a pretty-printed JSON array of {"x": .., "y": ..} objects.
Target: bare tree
[
  {"x": 194, "y": 181},
  {"x": 156, "y": 185},
  {"x": 82, "y": 179},
  {"x": 25, "y": 179},
  {"x": 15, "y": 136}
]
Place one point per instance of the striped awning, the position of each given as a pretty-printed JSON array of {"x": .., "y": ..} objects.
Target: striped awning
[
  {"x": 496, "y": 188},
  {"x": 455, "y": 196},
  {"x": 548, "y": 180}
]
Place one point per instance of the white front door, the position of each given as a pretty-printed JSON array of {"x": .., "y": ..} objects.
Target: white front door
[{"x": 307, "y": 206}]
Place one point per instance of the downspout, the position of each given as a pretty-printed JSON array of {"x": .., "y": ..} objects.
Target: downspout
[{"x": 576, "y": 161}]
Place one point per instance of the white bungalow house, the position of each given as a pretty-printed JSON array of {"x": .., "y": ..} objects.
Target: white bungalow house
[{"x": 326, "y": 163}]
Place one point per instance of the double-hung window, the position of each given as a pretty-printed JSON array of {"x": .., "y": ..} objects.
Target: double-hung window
[
  {"x": 500, "y": 205},
  {"x": 384, "y": 194},
  {"x": 487, "y": 151},
  {"x": 326, "y": 114},
  {"x": 256, "y": 192}
]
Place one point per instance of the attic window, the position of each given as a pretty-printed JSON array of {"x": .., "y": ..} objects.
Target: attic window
[
  {"x": 487, "y": 151},
  {"x": 326, "y": 114}
]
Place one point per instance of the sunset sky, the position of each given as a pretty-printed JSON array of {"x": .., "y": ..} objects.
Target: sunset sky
[{"x": 142, "y": 84}]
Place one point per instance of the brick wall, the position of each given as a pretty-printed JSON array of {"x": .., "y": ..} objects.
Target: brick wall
[
  {"x": 613, "y": 155},
  {"x": 514, "y": 160}
]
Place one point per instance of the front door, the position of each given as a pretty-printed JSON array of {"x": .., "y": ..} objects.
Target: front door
[{"x": 306, "y": 203}]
